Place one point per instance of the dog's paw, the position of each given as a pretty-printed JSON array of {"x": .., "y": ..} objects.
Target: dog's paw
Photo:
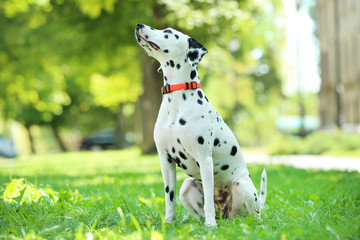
[
  {"x": 169, "y": 219},
  {"x": 211, "y": 224}
]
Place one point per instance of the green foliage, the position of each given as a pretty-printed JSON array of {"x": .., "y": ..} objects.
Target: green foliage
[
  {"x": 119, "y": 195},
  {"x": 320, "y": 142},
  {"x": 50, "y": 51},
  {"x": 64, "y": 62}
]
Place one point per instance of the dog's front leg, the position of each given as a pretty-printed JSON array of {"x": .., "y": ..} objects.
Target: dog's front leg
[
  {"x": 168, "y": 170},
  {"x": 207, "y": 177}
]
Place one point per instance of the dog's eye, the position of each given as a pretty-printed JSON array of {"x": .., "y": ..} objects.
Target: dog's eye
[{"x": 167, "y": 31}]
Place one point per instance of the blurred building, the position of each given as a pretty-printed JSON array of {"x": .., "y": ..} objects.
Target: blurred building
[{"x": 339, "y": 36}]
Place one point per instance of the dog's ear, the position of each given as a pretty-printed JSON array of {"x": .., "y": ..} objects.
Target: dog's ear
[{"x": 196, "y": 52}]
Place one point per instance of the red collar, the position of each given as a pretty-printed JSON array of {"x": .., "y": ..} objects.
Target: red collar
[{"x": 175, "y": 87}]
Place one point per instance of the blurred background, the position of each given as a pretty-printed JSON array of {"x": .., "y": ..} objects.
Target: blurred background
[{"x": 284, "y": 74}]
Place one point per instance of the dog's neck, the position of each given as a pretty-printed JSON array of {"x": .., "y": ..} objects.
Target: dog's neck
[{"x": 175, "y": 75}]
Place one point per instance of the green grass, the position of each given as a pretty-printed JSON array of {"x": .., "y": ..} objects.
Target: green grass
[{"x": 119, "y": 195}]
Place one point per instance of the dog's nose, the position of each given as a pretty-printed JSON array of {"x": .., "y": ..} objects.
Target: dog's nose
[{"x": 139, "y": 26}]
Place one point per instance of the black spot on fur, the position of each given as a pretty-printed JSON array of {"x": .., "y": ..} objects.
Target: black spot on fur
[
  {"x": 184, "y": 96},
  {"x": 166, "y": 36},
  {"x": 216, "y": 142},
  {"x": 169, "y": 99},
  {"x": 167, "y": 63},
  {"x": 262, "y": 193},
  {"x": 206, "y": 99},
  {"x": 182, "y": 121},
  {"x": 178, "y": 66},
  {"x": 177, "y": 37},
  {"x": 166, "y": 50},
  {"x": 183, "y": 166},
  {"x": 173, "y": 150},
  {"x": 255, "y": 197},
  {"x": 172, "y": 64},
  {"x": 182, "y": 155},
  {"x": 152, "y": 29},
  {"x": 192, "y": 55},
  {"x": 225, "y": 167},
  {"x": 200, "y": 93},
  {"x": 215, "y": 173},
  {"x": 178, "y": 140},
  {"x": 233, "y": 151},
  {"x": 200, "y": 102},
  {"x": 195, "y": 44},
  {"x": 171, "y": 195},
  {"x": 167, "y": 189},
  {"x": 193, "y": 74},
  {"x": 201, "y": 140},
  {"x": 167, "y": 31},
  {"x": 177, "y": 160}
]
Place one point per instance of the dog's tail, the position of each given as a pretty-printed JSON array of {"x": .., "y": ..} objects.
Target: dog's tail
[{"x": 263, "y": 188}]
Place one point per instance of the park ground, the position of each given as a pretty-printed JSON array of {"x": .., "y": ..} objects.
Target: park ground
[{"x": 119, "y": 195}]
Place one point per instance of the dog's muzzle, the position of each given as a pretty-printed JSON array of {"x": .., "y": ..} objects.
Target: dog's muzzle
[{"x": 140, "y": 38}]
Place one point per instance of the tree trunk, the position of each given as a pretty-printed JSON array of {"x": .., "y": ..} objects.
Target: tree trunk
[
  {"x": 31, "y": 139},
  {"x": 149, "y": 104},
  {"x": 138, "y": 122},
  {"x": 120, "y": 128},
  {"x": 55, "y": 131}
]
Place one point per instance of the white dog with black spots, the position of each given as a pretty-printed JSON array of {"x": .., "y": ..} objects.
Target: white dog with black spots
[{"x": 189, "y": 133}]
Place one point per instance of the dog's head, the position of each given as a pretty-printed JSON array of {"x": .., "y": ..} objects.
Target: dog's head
[{"x": 169, "y": 44}]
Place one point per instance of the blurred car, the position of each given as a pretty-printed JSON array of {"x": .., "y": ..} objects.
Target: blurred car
[
  {"x": 100, "y": 140},
  {"x": 292, "y": 124},
  {"x": 7, "y": 148}
]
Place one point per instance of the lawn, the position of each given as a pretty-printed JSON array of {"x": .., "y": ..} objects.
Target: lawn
[{"x": 119, "y": 195}]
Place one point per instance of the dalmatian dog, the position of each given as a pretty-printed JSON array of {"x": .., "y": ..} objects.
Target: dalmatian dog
[{"x": 189, "y": 133}]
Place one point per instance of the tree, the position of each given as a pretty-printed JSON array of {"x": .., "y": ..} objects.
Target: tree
[
  {"x": 54, "y": 33},
  {"x": 64, "y": 63}
]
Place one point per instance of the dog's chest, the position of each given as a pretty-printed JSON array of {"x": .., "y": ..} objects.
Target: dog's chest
[
  {"x": 188, "y": 128},
  {"x": 181, "y": 119}
]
